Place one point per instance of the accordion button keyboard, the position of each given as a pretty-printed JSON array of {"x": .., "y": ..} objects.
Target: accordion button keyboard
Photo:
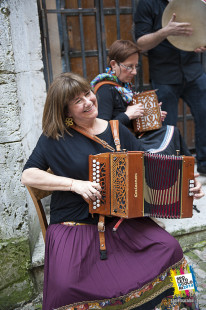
[
  {"x": 96, "y": 178},
  {"x": 191, "y": 185}
]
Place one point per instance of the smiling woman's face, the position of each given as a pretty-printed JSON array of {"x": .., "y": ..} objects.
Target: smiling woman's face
[{"x": 83, "y": 107}]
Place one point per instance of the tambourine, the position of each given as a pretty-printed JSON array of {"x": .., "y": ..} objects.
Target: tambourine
[{"x": 187, "y": 11}]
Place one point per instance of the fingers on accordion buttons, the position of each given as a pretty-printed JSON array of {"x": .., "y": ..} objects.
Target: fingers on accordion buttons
[{"x": 96, "y": 178}]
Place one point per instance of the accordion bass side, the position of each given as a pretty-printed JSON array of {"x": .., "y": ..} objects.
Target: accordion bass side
[
  {"x": 152, "y": 114},
  {"x": 136, "y": 184}
]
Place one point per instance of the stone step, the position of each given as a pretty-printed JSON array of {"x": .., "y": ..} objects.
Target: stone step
[
  {"x": 37, "y": 260},
  {"x": 190, "y": 230},
  {"x": 37, "y": 263}
]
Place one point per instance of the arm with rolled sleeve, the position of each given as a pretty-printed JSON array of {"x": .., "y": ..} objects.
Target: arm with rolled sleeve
[{"x": 148, "y": 30}]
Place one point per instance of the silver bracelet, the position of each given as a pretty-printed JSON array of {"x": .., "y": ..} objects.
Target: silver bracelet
[{"x": 70, "y": 187}]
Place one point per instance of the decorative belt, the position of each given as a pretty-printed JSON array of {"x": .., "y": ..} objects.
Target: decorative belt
[{"x": 73, "y": 223}]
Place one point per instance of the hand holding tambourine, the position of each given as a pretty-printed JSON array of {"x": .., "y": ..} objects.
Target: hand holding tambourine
[{"x": 190, "y": 19}]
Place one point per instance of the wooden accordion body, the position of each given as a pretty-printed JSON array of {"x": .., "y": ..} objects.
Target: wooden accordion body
[
  {"x": 152, "y": 113},
  {"x": 136, "y": 184}
]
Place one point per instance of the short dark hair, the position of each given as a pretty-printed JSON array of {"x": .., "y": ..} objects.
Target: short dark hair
[{"x": 120, "y": 50}]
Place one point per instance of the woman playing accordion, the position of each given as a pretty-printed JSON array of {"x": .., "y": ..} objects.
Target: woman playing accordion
[{"x": 140, "y": 255}]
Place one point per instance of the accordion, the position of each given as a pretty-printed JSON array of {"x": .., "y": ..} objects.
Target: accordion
[
  {"x": 152, "y": 114},
  {"x": 136, "y": 184}
]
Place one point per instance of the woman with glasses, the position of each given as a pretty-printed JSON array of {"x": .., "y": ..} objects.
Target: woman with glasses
[{"x": 114, "y": 100}]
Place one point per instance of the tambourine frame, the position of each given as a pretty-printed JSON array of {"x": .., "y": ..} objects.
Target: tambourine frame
[{"x": 193, "y": 12}]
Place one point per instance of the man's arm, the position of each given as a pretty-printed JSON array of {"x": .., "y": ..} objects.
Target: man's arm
[{"x": 151, "y": 40}]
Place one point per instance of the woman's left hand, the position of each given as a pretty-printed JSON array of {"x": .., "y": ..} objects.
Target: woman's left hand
[
  {"x": 163, "y": 113},
  {"x": 197, "y": 189}
]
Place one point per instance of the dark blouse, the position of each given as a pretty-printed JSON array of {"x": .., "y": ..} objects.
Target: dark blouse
[
  {"x": 68, "y": 157},
  {"x": 111, "y": 105},
  {"x": 167, "y": 64}
]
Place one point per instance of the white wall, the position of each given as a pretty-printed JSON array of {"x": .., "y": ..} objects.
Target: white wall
[{"x": 22, "y": 96}]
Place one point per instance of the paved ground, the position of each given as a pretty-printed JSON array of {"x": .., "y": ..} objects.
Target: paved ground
[
  {"x": 191, "y": 234},
  {"x": 196, "y": 256}
]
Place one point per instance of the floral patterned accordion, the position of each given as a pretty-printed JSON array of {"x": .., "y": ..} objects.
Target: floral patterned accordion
[
  {"x": 136, "y": 184},
  {"x": 152, "y": 115}
]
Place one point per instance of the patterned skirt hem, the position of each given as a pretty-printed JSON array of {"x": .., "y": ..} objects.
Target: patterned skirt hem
[{"x": 135, "y": 299}]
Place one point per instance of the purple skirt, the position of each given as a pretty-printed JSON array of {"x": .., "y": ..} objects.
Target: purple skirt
[{"x": 135, "y": 275}]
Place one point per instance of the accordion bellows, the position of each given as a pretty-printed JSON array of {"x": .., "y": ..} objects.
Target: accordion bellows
[
  {"x": 152, "y": 114},
  {"x": 136, "y": 184}
]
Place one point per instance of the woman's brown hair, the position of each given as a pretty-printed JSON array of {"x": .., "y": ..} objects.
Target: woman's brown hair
[
  {"x": 120, "y": 50},
  {"x": 64, "y": 88}
]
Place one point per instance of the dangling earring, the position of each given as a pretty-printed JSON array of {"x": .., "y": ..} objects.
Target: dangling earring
[
  {"x": 113, "y": 71},
  {"x": 69, "y": 121}
]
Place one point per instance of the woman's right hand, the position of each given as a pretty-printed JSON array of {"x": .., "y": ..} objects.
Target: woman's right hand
[
  {"x": 49, "y": 182},
  {"x": 135, "y": 111},
  {"x": 88, "y": 190}
]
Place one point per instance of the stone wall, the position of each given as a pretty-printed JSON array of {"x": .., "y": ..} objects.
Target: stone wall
[{"x": 22, "y": 96}]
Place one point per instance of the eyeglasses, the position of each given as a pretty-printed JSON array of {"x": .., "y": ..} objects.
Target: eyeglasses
[{"x": 130, "y": 68}]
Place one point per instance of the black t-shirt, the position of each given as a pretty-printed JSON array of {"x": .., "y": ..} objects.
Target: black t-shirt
[
  {"x": 167, "y": 64},
  {"x": 68, "y": 157},
  {"x": 111, "y": 105}
]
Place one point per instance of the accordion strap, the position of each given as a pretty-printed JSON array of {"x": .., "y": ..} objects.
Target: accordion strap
[
  {"x": 101, "y": 230},
  {"x": 93, "y": 137},
  {"x": 98, "y": 85},
  {"x": 115, "y": 132}
]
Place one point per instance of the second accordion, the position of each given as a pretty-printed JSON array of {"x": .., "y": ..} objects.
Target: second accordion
[
  {"x": 151, "y": 119},
  {"x": 136, "y": 184}
]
